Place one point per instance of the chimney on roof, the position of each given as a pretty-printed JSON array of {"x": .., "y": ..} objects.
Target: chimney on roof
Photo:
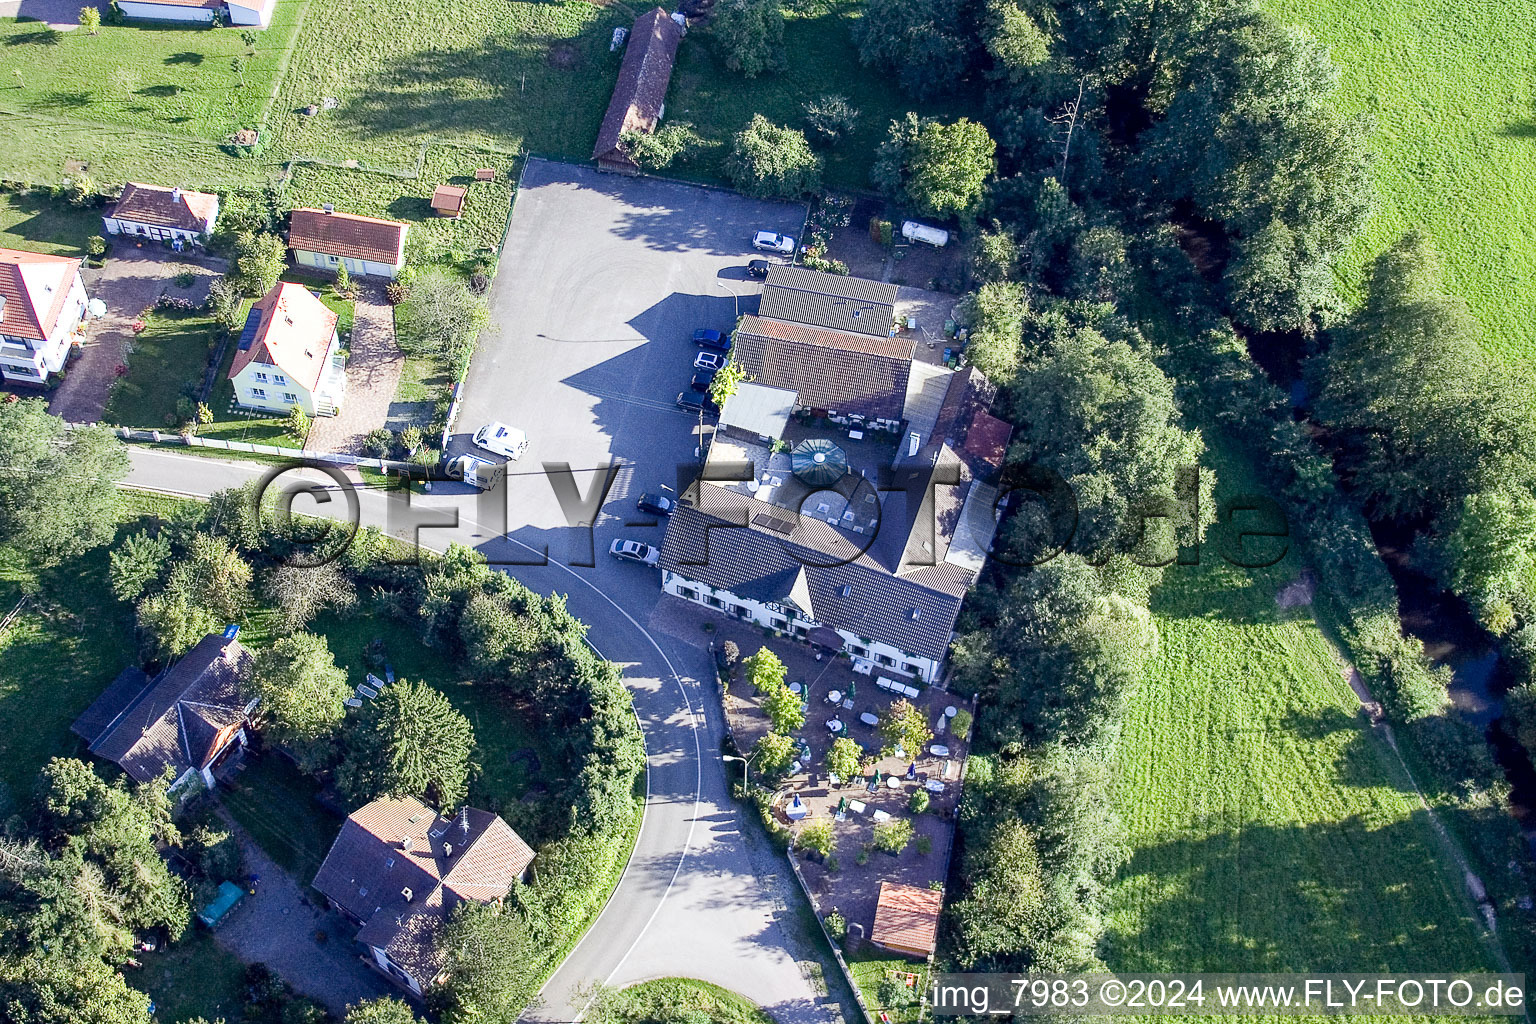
[
  {"x": 176, "y": 194},
  {"x": 406, "y": 843},
  {"x": 406, "y": 892},
  {"x": 914, "y": 441},
  {"x": 328, "y": 207},
  {"x": 447, "y": 850},
  {"x": 2, "y": 308}
]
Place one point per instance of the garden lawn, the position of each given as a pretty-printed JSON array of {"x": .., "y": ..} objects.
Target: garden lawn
[
  {"x": 668, "y": 998},
  {"x": 37, "y": 222},
  {"x": 275, "y": 802},
  {"x": 195, "y": 978},
  {"x": 157, "y": 77},
  {"x": 1271, "y": 829},
  {"x": 1453, "y": 89},
  {"x": 822, "y": 59},
  {"x": 168, "y": 355},
  {"x": 872, "y": 966}
]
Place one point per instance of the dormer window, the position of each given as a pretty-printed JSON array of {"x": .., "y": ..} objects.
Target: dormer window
[
  {"x": 914, "y": 614},
  {"x": 844, "y": 590}
]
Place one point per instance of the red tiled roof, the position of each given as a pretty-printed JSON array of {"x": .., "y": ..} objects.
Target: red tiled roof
[
  {"x": 348, "y": 235},
  {"x": 294, "y": 334},
  {"x": 34, "y": 288},
  {"x": 641, "y": 89},
  {"x": 449, "y": 198},
  {"x": 907, "y": 918},
  {"x": 166, "y": 207}
]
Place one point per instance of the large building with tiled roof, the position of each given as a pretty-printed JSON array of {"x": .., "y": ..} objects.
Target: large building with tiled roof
[
  {"x": 163, "y": 214},
  {"x": 366, "y": 246},
  {"x": 833, "y": 372},
  {"x": 853, "y": 304},
  {"x": 256, "y": 13},
  {"x": 42, "y": 309},
  {"x": 640, "y": 93},
  {"x": 397, "y": 870},
  {"x": 185, "y": 722},
  {"x": 289, "y": 355}
]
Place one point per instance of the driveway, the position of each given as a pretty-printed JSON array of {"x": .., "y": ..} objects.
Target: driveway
[
  {"x": 279, "y": 925},
  {"x": 373, "y": 373},
  {"x": 62, "y": 15},
  {"x": 131, "y": 281}
]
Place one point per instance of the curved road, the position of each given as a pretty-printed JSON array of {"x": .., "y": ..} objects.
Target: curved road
[{"x": 701, "y": 896}]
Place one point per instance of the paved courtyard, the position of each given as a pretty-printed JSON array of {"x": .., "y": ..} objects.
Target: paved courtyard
[
  {"x": 373, "y": 373},
  {"x": 603, "y": 280},
  {"x": 132, "y": 279}
]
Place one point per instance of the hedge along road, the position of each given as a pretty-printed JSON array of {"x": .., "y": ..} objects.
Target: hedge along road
[{"x": 691, "y": 901}]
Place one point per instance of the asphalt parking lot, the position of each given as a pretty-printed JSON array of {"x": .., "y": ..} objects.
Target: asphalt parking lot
[{"x": 602, "y": 282}]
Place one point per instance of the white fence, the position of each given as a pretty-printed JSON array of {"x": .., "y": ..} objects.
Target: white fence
[{"x": 297, "y": 454}]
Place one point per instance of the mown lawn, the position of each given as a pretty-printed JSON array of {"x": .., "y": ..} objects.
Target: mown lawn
[
  {"x": 160, "y": 77},
  {"x": 1271, "y": 829},
  {"x": 275, "y": 802},
  {"x": 168, "y": 355},
  {"x": 1453, "y": 89},
  {"x": 667, "y": 998},
  {"x": 196, "y": 978},
  {"x": 872, "y": 966},
  {"x": 37, "y": 222}
]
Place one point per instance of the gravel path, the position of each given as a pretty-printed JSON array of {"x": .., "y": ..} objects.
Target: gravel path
[
  {"x": 278, "y": 927},
  {"x": 373, "y": 373}
]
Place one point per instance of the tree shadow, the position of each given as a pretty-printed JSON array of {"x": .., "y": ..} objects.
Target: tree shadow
[
  {"x": 185, "y": 57},
  {"x": 74, "y": 99},
  {"x": 40, "y": 37},
  {"x": 1520, "y": 130},
  {"x": 160, "y": 91}
]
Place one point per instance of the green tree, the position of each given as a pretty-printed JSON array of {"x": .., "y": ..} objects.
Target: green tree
[
  {"x": 995, "y": 314},
  {"x": 343, "y": 280},
  {"x": 904, "y": 723},
  {"x": 171, "y": 622},
  {"x": 768, "y": 161},
  {"x": 673, "y": 142},
  {"x": 1489, "y": 556},
  {"x": 298, "y": 425},
  {"x": 893, "y": 836},
  {"x": 925, "y": 44},
  {"x": 727, "y": 379},
  {"x": 1422, "y": 418},
  {"x": 919, "y": 801},
  {"x": 408, "y": 741},
  {"x": 941, "y": 169},
  {"x": 58, "y": 496},
  {"x": 1015, "y": 41},
  {"x": 136, "y": 564},
  {"x": 783, "y": 709},
  {"x": 225, "y": 301},
  {"x": 1004, "y": 907},
  {"x": 773, "y": 754},
  {"x": 831, "y": 118},
  {"x": 816, "y": 836},
  {"x": 489, "y": 957},
  {"x": 259, "y": 259},
  {"x": 750, "y": 34},
  {"x": 442, "y": 318},
  {"x": 844, "y": 758},
  {"x": 765, "y": 671},
  {"x": 61, "y": 986},
  {"x": 96, "y": 246},
  {"x": 90, "y": 20},
  {"x": 384, "y": 1010},
  {"x": 301, "y": 692}
]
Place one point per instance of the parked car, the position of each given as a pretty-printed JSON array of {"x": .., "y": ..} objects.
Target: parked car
[
  {"x": 757, "y": 268},
  {"x": 710, "y": 361},
  {"x": 702, "y": 380},
  {"x": 656, "y": 503},
  {"x": 500, "y": 439},
  {"x": 634, "y": 551},
  {"x": 692, "y": 401},
  {"x": 475, "y": 471},
  {"x": 704, "y": 337},
  {"x": 769, "y": 241}
]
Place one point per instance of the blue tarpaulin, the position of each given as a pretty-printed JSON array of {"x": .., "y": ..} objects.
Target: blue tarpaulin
[{"x": 229, "y": 895}]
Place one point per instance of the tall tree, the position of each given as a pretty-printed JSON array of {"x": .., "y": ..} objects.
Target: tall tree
[
  {"x": 486, "y": 951},
  {"x": 926, "y": 44},
  {"x": 408, "y": 741},
  {"x": 442, "y": 318},
  {"x": 939, "y": 168},
  {"x": 301, "y": 692},
  {"x": 58, "y": 496},
  {"x": 769, "y": 161},
  {"x": 1421, "y": 418},
  {"x": 751, "y": 35}
]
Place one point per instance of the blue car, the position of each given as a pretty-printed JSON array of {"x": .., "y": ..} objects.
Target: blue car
[{"x": 706, "y": 337}]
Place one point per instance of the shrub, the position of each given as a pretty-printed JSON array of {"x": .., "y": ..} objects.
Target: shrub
[
  {"x": 830, "y": 117},
  {"x": 893, "y": 836},
  {"x": 924, "y": 845},
  {"x": 96, "y": 246},
  {"x": 816, "y": 836},
  {"x": 919, "y": 802},
  {"x": 379, "y": 442},
  {"x": 960, "y": 725},
  {"x": 894, "y": 992},
  {"x": 298, "y": 425},
  {"x": 395, "y": 292},
  {"x": 769, "y": 161},
  {"x": 837, "y": 925}
]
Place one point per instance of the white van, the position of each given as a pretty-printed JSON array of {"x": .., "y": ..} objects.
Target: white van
[
  {"x": 474, "y": 470},
  {"x": 500, "y": 439},
  {"x": 912, "y": 231}
]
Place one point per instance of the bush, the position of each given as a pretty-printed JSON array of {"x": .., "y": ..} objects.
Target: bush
[
  {"x": 768, "y": 161},
  {"x": 893, "y": 992},
  {"x": 96, "y": 246},
  {"x": 298, "y": 425},
  {"x": 750, "y": 33},
  {"x": 830, "y": 118},
  {"x": 960, "y": 725},
  {"x": 919, "y": 802},
  {"x": 893, "y": 836},
  {"x": 379, "y": 442},
  {"x": 816, "y": 836},
  {"x": 395, "y": 292},
  {"x": 924, "y": 845},
  {"x": 837, "y": 925}
]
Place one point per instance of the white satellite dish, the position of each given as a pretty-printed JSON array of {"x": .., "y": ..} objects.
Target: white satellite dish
[{"x": 97, "y": 307}]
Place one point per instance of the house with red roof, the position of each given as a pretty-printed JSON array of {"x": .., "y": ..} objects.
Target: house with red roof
[
  {"x": 163, "y": 214},
  {"x": 398, "y": 869},
  {"x": 236, "y": 12},
  {"x": 327, "y": 240},
  {"x": 289, "y": 355},
  {"x": 42, "y": 309}
]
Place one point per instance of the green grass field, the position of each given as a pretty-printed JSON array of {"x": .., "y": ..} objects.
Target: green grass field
[
  {"x": 275, "y": 802},
  {"x": 1271, "y": 829},
  {"x": 39, "y": 223},
  {"x": 1453, "y": 90},
  {"x": 665, "y": 998},
  {"x": 170, "y": 353},
  {"x": 196, "y": 978}
]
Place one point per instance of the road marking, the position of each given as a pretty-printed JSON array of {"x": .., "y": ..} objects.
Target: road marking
[{"x": 698, "y": 772}]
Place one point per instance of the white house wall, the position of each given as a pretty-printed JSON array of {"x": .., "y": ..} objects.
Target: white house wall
[
  {"x": 18, "y": 355},
  {"x": 134, "y": 229},
  {"x": 324, "y": 261},
  {"x": 258, "y": 12},
  {"x": 163, "y": 12},
  {"x": 268, "y": 395},
  {"x": 888, "y": 656}
]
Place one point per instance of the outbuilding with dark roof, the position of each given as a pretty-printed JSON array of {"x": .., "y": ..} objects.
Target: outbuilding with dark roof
[
  {"x": 818, "y": 299},
  {"x": 832, "y": 371},
  {"x": 640, "y": 93}
]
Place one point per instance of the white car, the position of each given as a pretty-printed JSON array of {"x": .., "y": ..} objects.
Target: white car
[
  {"x": 500, "y": 439},
  {"x": 708, "y": 361},
  {"x": 634, "y": 551},
  {"x": 768, "y": 241}
]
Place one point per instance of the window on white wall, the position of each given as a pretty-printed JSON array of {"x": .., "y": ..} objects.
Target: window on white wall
[
  {"x": 290, "y": 397},
  {"x": 258, "y": 392},
  {"x": 261, "y": 377}
]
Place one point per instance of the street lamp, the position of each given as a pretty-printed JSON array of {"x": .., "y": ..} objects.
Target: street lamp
[
  {"x": 744, "y": 767},
  {"x": 735, "y": 296}
]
